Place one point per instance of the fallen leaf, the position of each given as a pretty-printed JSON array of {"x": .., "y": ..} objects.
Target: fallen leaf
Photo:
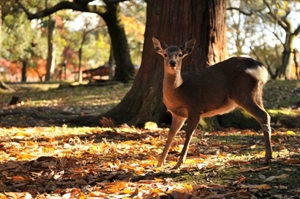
[
  {"x": 281, "y": 187},
  {"x": 240, "y": 180},
  {"x": 290, "y": 132},
  {"x": 263, "y": 187},
  {"x": 261, "y": 176},
  {"x": 150, "y": 126},
  {"x": 245, "y": 169},
  {"x": 262, "y": 168},
  {"x": 269, "y": 179},
  {"x": 282, "y": 176},
  {"x": 135, "y": 193}
]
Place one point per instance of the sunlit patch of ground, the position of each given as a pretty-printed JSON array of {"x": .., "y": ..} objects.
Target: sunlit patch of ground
[{"x": 39, "y": 159}]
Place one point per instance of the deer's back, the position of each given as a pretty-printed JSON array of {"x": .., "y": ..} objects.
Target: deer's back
[{"x": 212, "y": 90}]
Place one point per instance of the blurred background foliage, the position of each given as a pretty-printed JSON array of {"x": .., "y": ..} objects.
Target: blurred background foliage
[{"x": 266, "y": 30}]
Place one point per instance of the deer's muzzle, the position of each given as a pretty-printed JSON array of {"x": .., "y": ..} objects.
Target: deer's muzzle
[{"x": 172, "y": 63}]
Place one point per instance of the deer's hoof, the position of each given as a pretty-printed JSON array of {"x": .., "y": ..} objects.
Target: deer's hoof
[
  {"x": 159, "y": 164},
  {"x": 177, "y": 166},
  {"x": 268, "y": 157}
]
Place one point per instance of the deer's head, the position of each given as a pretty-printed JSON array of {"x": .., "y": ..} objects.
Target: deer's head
[{"x": 173, "y": 55}]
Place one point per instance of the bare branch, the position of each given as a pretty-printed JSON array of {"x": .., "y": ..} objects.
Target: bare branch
[
  {"x": 297, "y": 31},
  {"x": 281, "y": 21},
  {"x": 61, "y": 6},
  {"x": 287, "y": 14},
  {"x": 114, "y": 1},
  {"x": 277, "y": 36},
  {"x": 241, "y": 11}
]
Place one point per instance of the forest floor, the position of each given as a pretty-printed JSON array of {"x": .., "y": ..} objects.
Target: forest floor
[{"x": 42, "y": 157}]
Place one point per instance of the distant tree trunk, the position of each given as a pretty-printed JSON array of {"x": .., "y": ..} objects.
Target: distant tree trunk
[
  {"x": 83, "y": 39},
  {"x": 287, "y": 57},
  {"x": 80, "y": 64},
  {"x": 111, "y": 63},
  {"x": 296, "y": 62},
  {"x": 125, "y": 69},
  {"x": 24, "y": 71},
  {"x": 50, "y": 56},
  {"x": 173, "y": 22}
]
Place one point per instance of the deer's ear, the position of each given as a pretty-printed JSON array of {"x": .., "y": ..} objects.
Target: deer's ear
[
  {"x": 159, "y": 46},
  {"x": 188, "y": 47}
]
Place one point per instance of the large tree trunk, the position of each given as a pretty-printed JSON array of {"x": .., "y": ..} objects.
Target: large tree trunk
[
  {"x": 173, "y": 22},
  {"x": 125, "y": 69}
]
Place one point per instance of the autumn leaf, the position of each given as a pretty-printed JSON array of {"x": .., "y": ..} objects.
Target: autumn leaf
[
  {"x": 290, "y": 132},
  {"x": 292, "y": 161},
  {"x": 240, "y": 180},
  {"x": 121, "y": 163}
]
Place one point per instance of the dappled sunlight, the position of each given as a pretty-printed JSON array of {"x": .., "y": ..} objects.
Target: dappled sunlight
[
  {"x": 57, "y": 106},
  {"x": 43, "y": 157},
  {"x": 120, "y": 162}
]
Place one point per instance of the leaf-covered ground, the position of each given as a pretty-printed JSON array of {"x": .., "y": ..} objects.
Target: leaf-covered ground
[{"x": 40, "y": 159}]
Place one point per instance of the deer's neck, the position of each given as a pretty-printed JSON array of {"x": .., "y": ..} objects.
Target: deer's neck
[{"x": 172, "y": 81}]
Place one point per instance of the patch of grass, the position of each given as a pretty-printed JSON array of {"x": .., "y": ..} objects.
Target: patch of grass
[
  {"x": 291, "y": 112},
  {"x": 278, "y": 94},
  {"x": 101, "y": 98}
]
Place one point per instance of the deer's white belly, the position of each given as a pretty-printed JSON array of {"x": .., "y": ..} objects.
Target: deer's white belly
[{"x": 229, "y": 106}]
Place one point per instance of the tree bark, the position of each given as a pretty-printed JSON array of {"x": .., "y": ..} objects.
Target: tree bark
[
  {"x": 112, "y": 17},
  {"x": 287, "y": 57},
  {"x": 24, "y": 71},
  {"x": 173, "y": 22},
  {"x": 50, "y": 64},
  {"x": 111, "y": 63}
]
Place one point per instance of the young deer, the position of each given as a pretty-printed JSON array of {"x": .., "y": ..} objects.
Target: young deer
[{"x": 215, "y": 90}]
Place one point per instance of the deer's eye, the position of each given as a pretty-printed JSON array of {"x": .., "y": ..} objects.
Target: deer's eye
[
  {"x": 165, "y": 55},
  {"x": 180, "y": 54}
]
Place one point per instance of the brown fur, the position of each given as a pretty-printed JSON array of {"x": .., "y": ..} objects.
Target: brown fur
[{"x": 218, "y": 89}]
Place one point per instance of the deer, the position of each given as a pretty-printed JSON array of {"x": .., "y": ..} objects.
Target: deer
[{"x": 215, "y": 90}]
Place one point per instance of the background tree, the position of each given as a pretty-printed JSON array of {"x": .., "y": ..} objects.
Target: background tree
[
  {"x": 88, "y": 27},
  {"x": 50, "y": 66},
  {"x": 134, "y": 17},
  {"x": 19, "y": 47},
  {"x": 109, "y": 10},
  {"x": 173, "y": 22},
  {"x": 245, "y": 37},
  {"x": 278, "y": 16}
]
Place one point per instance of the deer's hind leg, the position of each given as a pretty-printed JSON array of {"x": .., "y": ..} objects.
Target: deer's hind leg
[{"x": 253, "y": 105}]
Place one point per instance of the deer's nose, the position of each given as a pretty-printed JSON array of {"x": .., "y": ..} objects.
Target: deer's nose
[{"x": 172, "y": 63}]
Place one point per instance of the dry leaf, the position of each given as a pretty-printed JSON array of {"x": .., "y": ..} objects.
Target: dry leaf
[
  {"x": 151, "y": 126},
  {"x": 239, "y": 181},
  {"x": 107, "y": 122}
]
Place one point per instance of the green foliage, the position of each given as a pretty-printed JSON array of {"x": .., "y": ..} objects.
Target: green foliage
[
  {"x": 134, "y": 19},
  {"x": 69, "y": 30},
  {"x": 21, "y": 39}
]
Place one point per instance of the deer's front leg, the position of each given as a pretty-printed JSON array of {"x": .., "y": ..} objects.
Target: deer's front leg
[
  {"x": 177, "y": 123},
  {"x": 192, "y": 125}
]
